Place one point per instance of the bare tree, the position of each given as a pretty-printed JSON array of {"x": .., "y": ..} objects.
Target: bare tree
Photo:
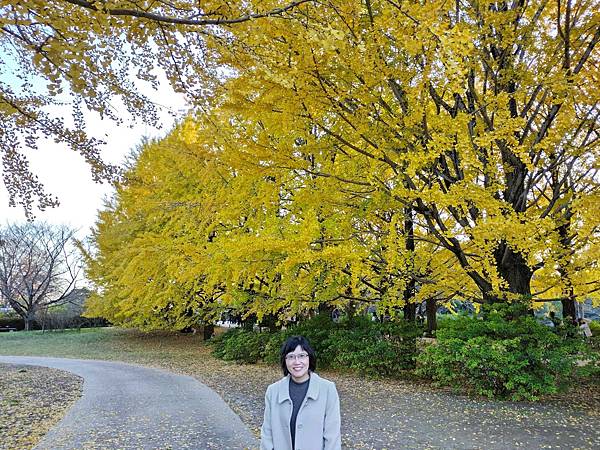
[{"x": 39, "y": 267}]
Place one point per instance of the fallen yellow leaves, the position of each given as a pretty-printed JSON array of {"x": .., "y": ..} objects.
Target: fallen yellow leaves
[{"x": 32, "y": 400}]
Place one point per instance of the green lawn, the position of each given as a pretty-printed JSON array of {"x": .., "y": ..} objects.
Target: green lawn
[{"x": 169, "y": 350}]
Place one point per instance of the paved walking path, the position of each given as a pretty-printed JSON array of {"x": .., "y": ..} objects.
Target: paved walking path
[{"x": 126, "y": 406}]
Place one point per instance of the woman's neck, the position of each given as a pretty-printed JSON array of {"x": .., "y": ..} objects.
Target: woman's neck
[{"x": 302, "y": 379}]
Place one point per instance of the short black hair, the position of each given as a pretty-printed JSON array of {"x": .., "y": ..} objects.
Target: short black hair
[{"x": 290, "y": 345}]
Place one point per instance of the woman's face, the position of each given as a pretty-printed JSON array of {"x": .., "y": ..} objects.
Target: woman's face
[{"x": 297, "y": 364}]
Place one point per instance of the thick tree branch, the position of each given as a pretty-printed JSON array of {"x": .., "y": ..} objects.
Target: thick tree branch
[{"x": 183, "y": 21}]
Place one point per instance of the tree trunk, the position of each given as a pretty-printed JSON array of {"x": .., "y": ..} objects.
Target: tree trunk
[
  {"x": 410, "y": 312},
  {"x": 325, "y": 308},
  {"x": 569, "y": 305},
  {"x": 208, "y": 329},
  {"x": 431, "y": 311},
  {"x": 28, "y": 319},
  {"x": 569, "y": 308},
  {"x": 513, "y": 268},
  {"x": 270, "y": 321},
  {"x": 350, "y": 310},
  {"x": 410, "y": 308}
]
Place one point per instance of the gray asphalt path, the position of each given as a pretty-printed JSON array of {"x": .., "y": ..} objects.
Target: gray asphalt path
[{"x": 125, "y": 406}]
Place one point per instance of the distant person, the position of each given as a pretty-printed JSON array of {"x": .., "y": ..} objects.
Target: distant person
[
  {"x": 335, "y": 315},
  {"x": 584, "y": 327},
  {"x": 372, "y": 311},
  {"x": 302, "y": 410}
]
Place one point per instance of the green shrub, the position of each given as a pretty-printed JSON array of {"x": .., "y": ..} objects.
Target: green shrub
[
  {"x": 12, "y": 322},
  {"x": 273, "y": 347},
  {"x": 506, "y": 354},
  {"x": 447, "y": 320},
  {"x": 218, "y": 342},
  {"x": 240, "y": 345},
  {"x": 371, "y": 348},
  {"x": 315, "y": 329}
]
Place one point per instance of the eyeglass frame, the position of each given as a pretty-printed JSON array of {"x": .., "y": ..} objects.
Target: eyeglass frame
[{"x": 296, "y": 356}]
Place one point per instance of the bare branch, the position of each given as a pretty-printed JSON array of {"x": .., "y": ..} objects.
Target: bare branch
[{"x": 92, "y": 6}]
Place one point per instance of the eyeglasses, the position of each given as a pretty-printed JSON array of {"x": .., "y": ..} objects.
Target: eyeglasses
[{"x": 292, "y": 356}]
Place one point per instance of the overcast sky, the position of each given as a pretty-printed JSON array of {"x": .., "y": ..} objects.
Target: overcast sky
[{"x": 65, "y": 174}]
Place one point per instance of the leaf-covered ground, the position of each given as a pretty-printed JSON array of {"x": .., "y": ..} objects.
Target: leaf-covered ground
[
  {"x": 376, "y": 414},
  {"x": 32, "y": 400}
]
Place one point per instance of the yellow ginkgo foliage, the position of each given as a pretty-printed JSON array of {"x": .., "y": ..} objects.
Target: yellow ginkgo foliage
[
  {"x": 479, "y": 117},
  {"x": 380, "y": 152}
]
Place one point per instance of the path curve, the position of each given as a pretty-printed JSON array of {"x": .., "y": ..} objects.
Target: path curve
[{"x": 127, "y": 406}]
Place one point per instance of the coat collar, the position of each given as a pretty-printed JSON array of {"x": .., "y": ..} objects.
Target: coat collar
[{"x": 283, "y": 387}]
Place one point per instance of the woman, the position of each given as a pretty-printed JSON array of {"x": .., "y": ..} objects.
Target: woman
[{"x": 302, "y": 410}]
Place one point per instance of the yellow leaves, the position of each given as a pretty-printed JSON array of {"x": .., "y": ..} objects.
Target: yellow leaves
[
  {"x": 455, "y": 47},
  {"x": 189, "y": 132},
  {"x": 37, "y": 58},
  {"x": 294, "y": 189}
]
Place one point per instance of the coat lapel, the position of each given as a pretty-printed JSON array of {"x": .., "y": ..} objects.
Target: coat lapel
[
  {"x": 283, "y": 388},
  {"x": 313, "y": 386}
]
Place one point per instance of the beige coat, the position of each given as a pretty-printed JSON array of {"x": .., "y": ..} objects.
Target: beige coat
[{"x": 318, "y": 421}]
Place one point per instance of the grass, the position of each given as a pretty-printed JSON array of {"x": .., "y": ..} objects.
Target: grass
[
  {"x": 106, "y": 344},
  {"x": 181, "y": 353},
  {"x": 100, "y": 343}
]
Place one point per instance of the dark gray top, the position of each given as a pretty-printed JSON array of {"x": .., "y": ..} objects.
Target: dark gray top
[{"x": 297, "y": 394}]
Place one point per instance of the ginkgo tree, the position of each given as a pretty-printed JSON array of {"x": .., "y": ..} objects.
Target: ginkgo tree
[
  {"x": 146, "y": 261},
  {"x": 195, "y": 231},
  {"x": 480, "y": 117},
  {"x": 386, "y": 151},
  {"x": 317, "y": 242}
]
